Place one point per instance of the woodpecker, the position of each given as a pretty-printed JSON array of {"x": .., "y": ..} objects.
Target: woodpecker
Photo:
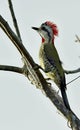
[{"x": 49, "y": 58}]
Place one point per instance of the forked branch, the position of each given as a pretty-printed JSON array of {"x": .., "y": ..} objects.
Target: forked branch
[
  {"x": 37, "y": 78},
  {"x": 14, "y": 19},
  {"x": 34, "y": 75}
]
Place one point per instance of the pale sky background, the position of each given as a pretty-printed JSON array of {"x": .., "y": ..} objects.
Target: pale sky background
[{"x": 22, "y": 106}]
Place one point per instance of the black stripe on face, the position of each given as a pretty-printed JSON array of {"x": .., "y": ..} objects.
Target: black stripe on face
[{"x": 44, "y": 29}]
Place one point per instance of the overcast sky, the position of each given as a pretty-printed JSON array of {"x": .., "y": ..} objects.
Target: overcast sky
[{"x": 22, "y": 106}]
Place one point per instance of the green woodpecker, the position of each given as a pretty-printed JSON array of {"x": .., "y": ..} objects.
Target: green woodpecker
[{"x": 49, "y": 58}]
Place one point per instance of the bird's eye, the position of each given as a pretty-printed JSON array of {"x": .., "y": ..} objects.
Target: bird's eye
[{"x": 43, "y": 28}]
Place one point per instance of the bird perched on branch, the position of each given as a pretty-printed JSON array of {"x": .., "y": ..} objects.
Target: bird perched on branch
[{"x": 49, "y": 58}]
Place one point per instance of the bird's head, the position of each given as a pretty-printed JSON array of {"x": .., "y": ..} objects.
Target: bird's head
[{"x": 47, "y": 31}]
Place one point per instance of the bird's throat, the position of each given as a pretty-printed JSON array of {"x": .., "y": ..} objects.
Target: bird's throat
[
  {"x": 43, "y": 40},
  {"x": 51, "y": 41}
]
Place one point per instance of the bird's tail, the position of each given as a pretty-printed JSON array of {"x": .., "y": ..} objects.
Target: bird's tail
[{"x": 65, "y": 99}]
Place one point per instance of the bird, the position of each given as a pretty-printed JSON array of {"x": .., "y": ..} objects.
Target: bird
[{"x": 49, "y": 58}]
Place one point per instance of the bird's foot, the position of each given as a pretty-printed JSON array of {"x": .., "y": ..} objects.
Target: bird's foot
[{"x": 37, "y": 67}]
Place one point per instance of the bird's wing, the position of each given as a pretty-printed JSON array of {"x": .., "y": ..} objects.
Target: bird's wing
[{"x": 53, "y": 58}]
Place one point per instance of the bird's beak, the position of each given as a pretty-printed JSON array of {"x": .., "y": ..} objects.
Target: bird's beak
[{"x": 35, "y": 28}]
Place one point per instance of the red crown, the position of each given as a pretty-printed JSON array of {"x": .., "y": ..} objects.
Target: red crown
[{"x": 53, "y": 26}]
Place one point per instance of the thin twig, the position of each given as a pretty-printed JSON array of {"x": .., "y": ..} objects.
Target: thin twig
[
  {"x": 73, "y": 80},
  {"x": 14, "y": 19},
  {"x": 11, "y": 68},
  {"x": 77, "y": 38},
  {"x": 72, "y": 71}
]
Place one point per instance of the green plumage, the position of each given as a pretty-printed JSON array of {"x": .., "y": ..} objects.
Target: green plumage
[{"x": 50, "y": 62}]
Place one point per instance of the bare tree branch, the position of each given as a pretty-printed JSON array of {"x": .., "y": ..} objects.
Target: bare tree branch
[
  {"x": 11, "y": 68},
  {"x": 37, "y": 78},
  {"x": 14, "y": 19},
  {"x": 4, "y": 25},
  {"x": 27, "y": 59},
  {"x": 72, "y": 71}
]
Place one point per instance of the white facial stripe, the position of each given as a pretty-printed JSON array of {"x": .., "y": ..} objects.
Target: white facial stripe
[{"x": 46, "y": 32}]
